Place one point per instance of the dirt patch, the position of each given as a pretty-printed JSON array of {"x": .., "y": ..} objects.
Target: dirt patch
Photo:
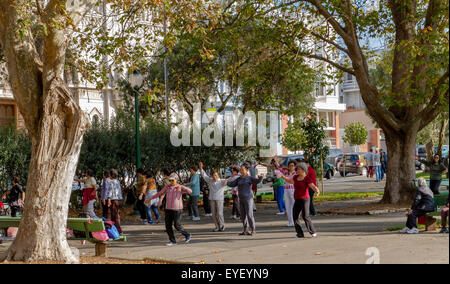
[
  {"x": 97, "y": 260},
  {"x": 365, "y": 209}
]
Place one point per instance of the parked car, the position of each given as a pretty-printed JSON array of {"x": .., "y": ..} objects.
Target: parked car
[
  {"x": 444, "y": 153},
  {"x": 355, "y": 163},
  {"x": 329, "y": 170},
  {"x": 421, "y": 154},
  {"x": 334, "y": 156}
]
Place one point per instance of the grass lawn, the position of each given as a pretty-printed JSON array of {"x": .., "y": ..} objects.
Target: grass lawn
[
  {"x": 338, "y": 196},
  {"x": 423, "y": 175}
]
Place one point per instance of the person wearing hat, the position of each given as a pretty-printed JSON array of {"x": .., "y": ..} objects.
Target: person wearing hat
[
  {"x": 174, "y": 208},
  {"x": 302, "y": 183}
]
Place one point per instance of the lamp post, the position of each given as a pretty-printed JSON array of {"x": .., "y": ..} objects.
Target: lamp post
[{"x": 136, "y": 80}]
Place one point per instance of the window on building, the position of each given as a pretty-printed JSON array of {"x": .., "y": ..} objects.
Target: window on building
[{"x": 7, "y": 114}]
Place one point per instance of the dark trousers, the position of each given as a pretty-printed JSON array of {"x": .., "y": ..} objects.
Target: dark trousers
[
  {"x": 105, "y": 211},
  {"x": 206, "y": 205},
  {"x": 312, "y": 209},
  {"x": 173, "y": 218},
  {"x": 411, "y": 222},
  {"x": 301, "y": 206},
  {"x": 115, "y": 213},
  {"x": 140, "y": 206},
  {"x": 434, "y": 186},
  {"x": 14, "y": 210},
  {"x": 193, "y": 206},
  {"x": 236, "y": 212}
]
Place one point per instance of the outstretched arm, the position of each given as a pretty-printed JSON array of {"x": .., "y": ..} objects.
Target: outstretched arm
[{"x": 288, "y": 180}]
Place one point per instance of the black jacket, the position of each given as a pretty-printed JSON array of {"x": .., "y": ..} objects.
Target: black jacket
[{"x": 424, "y": 200}]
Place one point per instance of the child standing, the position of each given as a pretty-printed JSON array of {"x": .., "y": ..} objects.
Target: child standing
[{"x": 152, "y": 205}]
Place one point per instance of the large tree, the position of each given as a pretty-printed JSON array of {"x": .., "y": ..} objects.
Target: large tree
[
  {"x": 418, "y": 88},
  {"x": 35, "y": 36}
]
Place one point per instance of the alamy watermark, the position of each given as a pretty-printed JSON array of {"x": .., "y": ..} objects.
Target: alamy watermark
[
  {"x": 374, "y": 255},
  {"x": 232, "y": 125}
]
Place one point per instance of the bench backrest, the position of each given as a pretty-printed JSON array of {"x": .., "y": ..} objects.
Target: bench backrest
[{"x": 76, "y": 224}]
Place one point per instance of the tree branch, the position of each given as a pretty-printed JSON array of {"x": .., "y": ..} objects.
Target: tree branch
[{"x": 23, "y": 64}]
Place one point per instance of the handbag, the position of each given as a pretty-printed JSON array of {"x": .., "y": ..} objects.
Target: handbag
[{"x": 100, "y": 235}]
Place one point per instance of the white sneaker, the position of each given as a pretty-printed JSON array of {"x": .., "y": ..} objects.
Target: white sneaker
[
  {"x": 404, "y": 230},
  {"x": 208, "y": 215},
  {"x": 413, "y": 231},
  {"x": 195, "y": 218},
  {"x": 171, "y": 244},
  {"x": 290, "y": 225},
  {"x": 280, "y": 213},
  {"x": 314, "y": 235}
]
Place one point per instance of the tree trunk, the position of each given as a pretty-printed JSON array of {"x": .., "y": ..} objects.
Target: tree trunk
[
  {"x": 55, "y": 152},
  {"x": 444, "y": 124},
  {"x": 401, "y": 170}
]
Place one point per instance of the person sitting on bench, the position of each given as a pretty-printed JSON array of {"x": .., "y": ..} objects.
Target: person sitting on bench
[
  {"x": 444, "y": 216},
  {"x": 423, "y": 204}
]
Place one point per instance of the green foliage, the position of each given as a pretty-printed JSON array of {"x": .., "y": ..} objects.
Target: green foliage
[
  {"x": 114, "y": 148},
  {"x": 308, "y": 135},
  {"x": 15, "y": 154},
  {"x": 355, "y": 134}
]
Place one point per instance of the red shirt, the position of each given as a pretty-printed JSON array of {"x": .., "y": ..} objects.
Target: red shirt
[
  {"x": 312, "y": 175},
  {"x": 301, "y": 187}
]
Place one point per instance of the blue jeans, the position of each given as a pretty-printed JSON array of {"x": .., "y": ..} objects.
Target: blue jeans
[
  {"x": 153, "y": 208},
  {"x": 280, "y": 198},
  {"x": 377, "y": 173}
]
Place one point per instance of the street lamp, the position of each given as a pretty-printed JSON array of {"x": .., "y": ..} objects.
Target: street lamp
[{"x": 136, "y": 79}]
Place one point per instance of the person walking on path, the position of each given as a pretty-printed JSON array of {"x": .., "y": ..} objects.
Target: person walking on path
[
  {"x": 288, "y": 190},
  {"x": 114, "y": 198},
  {"x": 205, "y": 190},
  {"x": 153, "y": 205},
  {"x": 216, "y": 186},
  {"x": 105, "y": 188},
  {"x": 383, "y": 160},
  {"x": 89, "y": 194},
  {"x": 244, "y": 184},
  {"x": 16, "y": 196},
  {"x": 437, "y": 169},
  {"x": 302, "y": 183},
  {"x": 444, "y": 217},
  {"x": 193, "y": 200},
  {"x": 141, "y": 187},
  {"x": 278, "y": 185},
  {"x": 423, "y": 204},
  {"x": 174, "y": 208},
  {"x": 253, "y": 173},
  {"x": 370, "y": 163},
  {"x": 377, "y": 166},
  {"x": 236, "y": 214},
  {"x": 312, "y": 175}
]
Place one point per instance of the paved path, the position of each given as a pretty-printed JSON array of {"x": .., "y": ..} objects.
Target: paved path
[
  {"x": 342, "y": 239},
  {"x": 351, "y": 183}
]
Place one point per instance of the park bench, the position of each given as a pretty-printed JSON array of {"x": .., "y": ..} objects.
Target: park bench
[
  {"x": 75, "y": 224},
  {"x": 429, "y": 220}
]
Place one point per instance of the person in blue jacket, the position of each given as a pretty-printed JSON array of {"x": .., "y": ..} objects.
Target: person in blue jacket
[{"x": 194, "y": 184}]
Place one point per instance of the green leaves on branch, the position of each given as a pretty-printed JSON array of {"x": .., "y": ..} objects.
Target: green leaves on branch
[{"x": 355, "y": 134}]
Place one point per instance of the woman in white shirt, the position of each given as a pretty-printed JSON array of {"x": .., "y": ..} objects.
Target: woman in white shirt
[{"x": 216, "y": 197}]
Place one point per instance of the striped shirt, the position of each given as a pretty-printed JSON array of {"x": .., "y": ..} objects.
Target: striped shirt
[{"x": 174, "y": 196}]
